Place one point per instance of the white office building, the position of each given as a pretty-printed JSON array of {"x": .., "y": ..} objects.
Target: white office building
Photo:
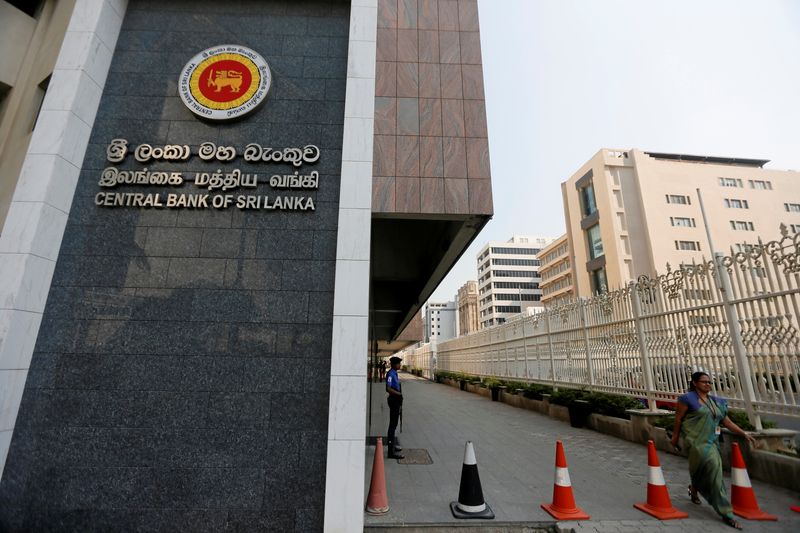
[
  {"x": 441, "y": 322},
  {"x": 508, "y": 278}
]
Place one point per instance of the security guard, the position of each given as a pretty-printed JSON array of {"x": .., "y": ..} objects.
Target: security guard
[{"x": 395, "y": 401}]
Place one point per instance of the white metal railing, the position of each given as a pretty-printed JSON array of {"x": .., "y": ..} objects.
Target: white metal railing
[
  {"x": 734, "y": 317},
  {"x": 420, "y": 356}
]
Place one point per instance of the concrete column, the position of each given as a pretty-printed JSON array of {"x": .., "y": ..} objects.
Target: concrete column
[{"x": 38, "y": 213}]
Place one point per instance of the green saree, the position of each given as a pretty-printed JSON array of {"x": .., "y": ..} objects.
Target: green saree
[{"x": 705, "y": 463}]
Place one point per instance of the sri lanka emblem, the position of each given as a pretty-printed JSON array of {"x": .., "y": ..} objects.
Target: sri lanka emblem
[{"x": 224, "y": 82}]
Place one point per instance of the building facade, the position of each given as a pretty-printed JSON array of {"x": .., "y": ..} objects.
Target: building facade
[
  {"x": 556, "y": 272},
  {"x": 630, "y": 212},
  {"x": 508, "y": 278},
  {"x": 188, "y": 304},
  {"x": 440, "y": 321},
  {"x": 467, "y": 304}
]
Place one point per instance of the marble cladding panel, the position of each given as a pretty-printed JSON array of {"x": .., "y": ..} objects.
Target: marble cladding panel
[
  {"x": 429, "y": 52},
  {"x": 184, "y": 356}
]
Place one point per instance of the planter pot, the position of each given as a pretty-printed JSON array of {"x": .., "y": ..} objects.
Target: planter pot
[
  {"x": 495, "y": 394},
  {"x": 578, "y": 413},
  {"x": 463, "y": 385}
]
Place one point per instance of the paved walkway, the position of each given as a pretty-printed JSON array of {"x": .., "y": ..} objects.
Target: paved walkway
[{"x": 515, "y": 449}]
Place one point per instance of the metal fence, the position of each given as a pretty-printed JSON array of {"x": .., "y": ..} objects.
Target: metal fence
[{"x": 734, "y": 317}]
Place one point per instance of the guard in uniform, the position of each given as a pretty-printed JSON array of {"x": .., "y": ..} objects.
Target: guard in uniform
[{"x": 395, "y": 401}]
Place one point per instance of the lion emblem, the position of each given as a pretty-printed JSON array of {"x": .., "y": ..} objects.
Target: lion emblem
[{"x": 225, "y": 78}]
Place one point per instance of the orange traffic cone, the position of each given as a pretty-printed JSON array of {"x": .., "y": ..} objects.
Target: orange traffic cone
[
  {"x": 377, "y": 501},
  {"x": 658, "y": 502},
  {"x": 743, "y": 498},
  {"x": 563, "y": 506}
]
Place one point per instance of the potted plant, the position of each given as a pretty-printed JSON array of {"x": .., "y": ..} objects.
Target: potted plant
[{"x": 493, "y": 385}]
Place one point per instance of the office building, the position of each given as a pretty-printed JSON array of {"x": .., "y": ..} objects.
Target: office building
[
  {"x": 223, "y": 211},
  {"x": 508, "y": 278},
  {"x": 467, "y": 303},
  {"x": 630, "y": 213},
  {"x": 440, "y": 321},
  {"x": 556, "y": 272}
]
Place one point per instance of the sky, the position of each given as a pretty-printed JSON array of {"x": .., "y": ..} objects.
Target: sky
[{"x": 564, "y": 79}]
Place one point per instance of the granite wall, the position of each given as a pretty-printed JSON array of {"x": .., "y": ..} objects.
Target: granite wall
[
  {"x": 431, "y": 143},
  {"x": 180, "y": 378}
]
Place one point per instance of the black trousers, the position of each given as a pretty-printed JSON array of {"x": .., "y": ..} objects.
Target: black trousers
[{"x": 395, "y": 402}]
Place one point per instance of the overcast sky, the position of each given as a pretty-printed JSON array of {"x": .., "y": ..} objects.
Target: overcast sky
[{"x": 566, "y": 78}]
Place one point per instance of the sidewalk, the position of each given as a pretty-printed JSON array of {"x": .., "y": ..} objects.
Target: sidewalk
[{"x": 515, "y": 449}]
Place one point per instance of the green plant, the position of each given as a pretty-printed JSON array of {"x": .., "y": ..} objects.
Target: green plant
[
  {"x": 611, "y": 404},
  {"x": 566, "y": 397},
  {"x": 666, "y": 422},
  {"x": 513, "y": 385},
  {"x": 491, "y": 383},
  {"x": 740, "y": 419},
  {"x": 534, "y": 391}
]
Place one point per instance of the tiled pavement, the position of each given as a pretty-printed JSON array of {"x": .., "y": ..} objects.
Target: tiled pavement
[{"x": 515, "y": 449}]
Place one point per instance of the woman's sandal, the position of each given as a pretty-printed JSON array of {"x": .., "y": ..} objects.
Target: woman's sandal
[
  {"x": 693, "y": 496},
  {"x": 731, "y": 522}
]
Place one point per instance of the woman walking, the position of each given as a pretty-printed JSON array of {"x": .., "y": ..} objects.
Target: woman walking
[{"x": 699, "y": 415}]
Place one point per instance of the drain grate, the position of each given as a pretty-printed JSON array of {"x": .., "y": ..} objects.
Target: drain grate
[{"x": 415, "y": 456}]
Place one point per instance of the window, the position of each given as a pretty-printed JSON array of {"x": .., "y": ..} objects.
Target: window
[
  {"x": 792, "y": 208},
  {"x": 516, "y": 273},
  {"x": 742, "y": 225},
  {"x": 507, "y": 309},
  {"x": 588, "y": 203},
  {"x": 516, "y": 262},
  {"x": 736, "y": 204},
  {"x": 516, "y": 251},
  {"x": 687, "y": 245},
  {"x": 678, "y": 199},
  {"x": 594, "y": 241},
  {"x": 682, "y": 222},
  {"x": 795, "y": 228},
  {"x": 763, "y": 185},
  {"x": 599, "y": 280},
  {"x": 730, "y": 182}
]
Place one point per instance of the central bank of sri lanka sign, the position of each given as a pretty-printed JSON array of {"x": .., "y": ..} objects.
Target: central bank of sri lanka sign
[{"x": 220, "y": 83}]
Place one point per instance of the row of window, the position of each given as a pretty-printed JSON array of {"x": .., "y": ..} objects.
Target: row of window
[
  {"x": 556, "y": 270},
  {"x": 742, "y": 225},
  {"x": 682, "y": 222},
  {"x": 764, "y": 185},
  {"x": 515, "y": 251},
  {"x": 514, "y": 273},
  {"x": 516, "y": 262},
  {"x": 552, "y": 256},
  {"x": 513, "y": 285},
  {"x": 732, "y": 203},
  {"x": 517, "y": 297},
  {"x": 557, "y": 285}
]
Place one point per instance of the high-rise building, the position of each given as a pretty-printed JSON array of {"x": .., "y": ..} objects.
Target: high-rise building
[
  {"x": 467, "y": 304},
  {"x": 440, "y": 321},
  {"x": 556, "y": 272},
  {"x": 630, "y": 212},
  {"x": 508, "y": 278}
]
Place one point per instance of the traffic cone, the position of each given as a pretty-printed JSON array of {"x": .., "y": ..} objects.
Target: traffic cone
[
  {"x": 795, "y": 508},
  {"x": 743, "y": 498},
  {"x": 377, "y": 501},
  {"x": 658, "y": 502},
  {"x": 470, "y": 502},
  {"x": 563, "y": 506}
]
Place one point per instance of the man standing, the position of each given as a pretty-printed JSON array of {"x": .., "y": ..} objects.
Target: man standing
[{"x": 395, "y": 401}]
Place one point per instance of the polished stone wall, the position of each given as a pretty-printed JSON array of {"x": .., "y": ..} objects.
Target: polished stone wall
[
  {"x": 431, "y": 141},
  {"x": 181, "y": 374}
]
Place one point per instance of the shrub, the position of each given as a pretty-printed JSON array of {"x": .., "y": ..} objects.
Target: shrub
[
  {"x": 491, "y": 383},
  {"x": 566, "y": 397},
  {"x": 534, "y": 391},
  {"x": 740, "y": 419},
  {"x": 611, "y": 404},
  {"x": 513, "y": 385}
]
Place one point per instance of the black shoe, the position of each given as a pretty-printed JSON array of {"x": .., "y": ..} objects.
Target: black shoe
[{"x": 393, "y": 454}]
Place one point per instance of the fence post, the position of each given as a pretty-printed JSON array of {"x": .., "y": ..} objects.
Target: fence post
[
  {"x": 525, "y": 349},
  {"x": 505, "y": 347},
  {"x": 636, "y": 306},
  {"x": 550, "y": 347},
  {"x": 589, "y": 369},
  {"x": 735, "y": 330}
]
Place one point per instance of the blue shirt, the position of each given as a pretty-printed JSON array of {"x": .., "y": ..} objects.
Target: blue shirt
[
  {"x": 692, "y": 401},
  {"x": 392, "y": 380}
]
